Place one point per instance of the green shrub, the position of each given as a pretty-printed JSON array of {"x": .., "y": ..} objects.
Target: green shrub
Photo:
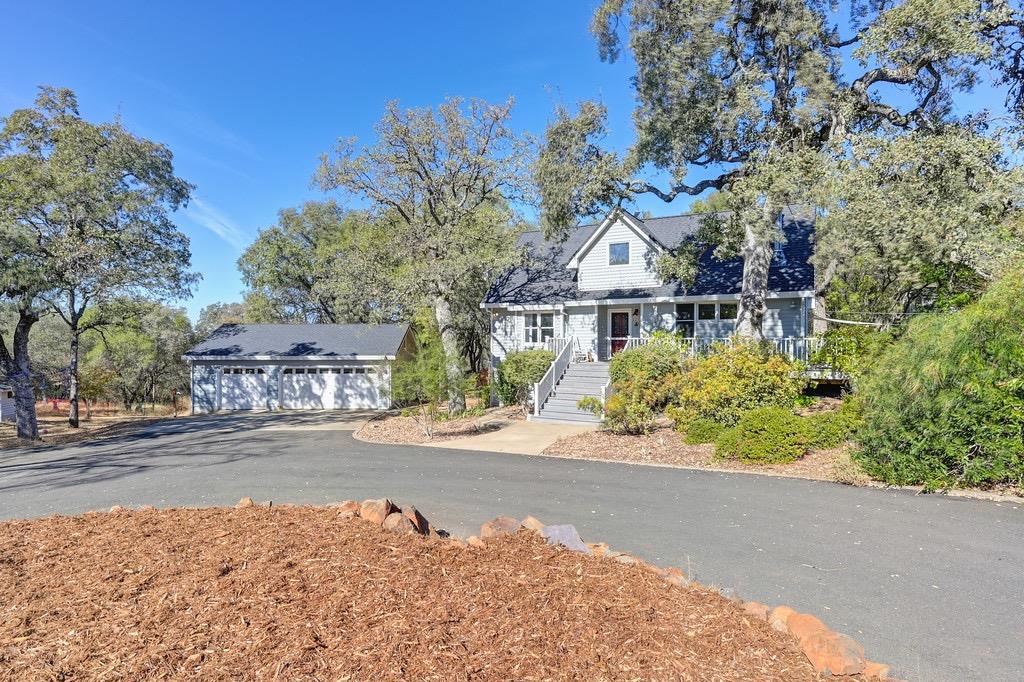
[
  {"x": 589, "y": 403},
  {"x": 944, "y": 406},
  {"x": 832, "y": 429},
  {"x": 518, "y": 372},
  {"x": 732, "y": 380},
  {"x": 852, "y": 350},
  {"x": 652, "y": 361},
  {"x": 766, "y": 435},
  {"x": 628, "y": 415},
  {"x": 701, "y": 430}
]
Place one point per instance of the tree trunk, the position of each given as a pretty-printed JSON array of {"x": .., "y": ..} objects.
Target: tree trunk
[
  {"x": 452, "y": 361},
  {"x": 18, "y": 369},
  {"x": 73, "y": 380},
  {"x": 757, "y": 257}
]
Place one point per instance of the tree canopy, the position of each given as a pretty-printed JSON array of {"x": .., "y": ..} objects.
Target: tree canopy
[
  {"x": 93, "y": 206},
  {"x": 440, "y": 182},
  {"x": 757, "y": 98}
]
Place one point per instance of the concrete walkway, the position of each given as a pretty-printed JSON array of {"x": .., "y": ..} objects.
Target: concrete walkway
[{"x": 521, "y": 438}]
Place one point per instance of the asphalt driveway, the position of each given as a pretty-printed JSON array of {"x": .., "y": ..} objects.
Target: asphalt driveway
[{"x": 930, "y": 584}]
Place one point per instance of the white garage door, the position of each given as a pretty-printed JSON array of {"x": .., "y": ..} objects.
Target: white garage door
[
  {"x": 329, "y": 388},
  {"x": 243, "y": 388}
]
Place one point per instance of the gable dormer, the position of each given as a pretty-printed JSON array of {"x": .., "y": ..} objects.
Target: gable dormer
[{"x": 619, "y": 255}]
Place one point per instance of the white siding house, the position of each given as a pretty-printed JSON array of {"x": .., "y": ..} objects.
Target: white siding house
[{"x": 599, "y": 290}]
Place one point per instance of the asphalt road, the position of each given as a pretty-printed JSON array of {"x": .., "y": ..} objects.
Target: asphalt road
[{"x": 930, "y": 584}]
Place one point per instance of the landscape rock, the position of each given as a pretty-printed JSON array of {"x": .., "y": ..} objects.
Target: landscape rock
[
  {"x": 566, "y": 536},
  {"x": 244, "y": 502},
  {"x": 501, "y": 525},
  {"x": 756, "y": 609},
  {"x": 876, "y": 671},
  {"x": 532, "y": 523},
  {"x": 348, "y": 509},
  {"x": 377, "y": 510},
  {"x": 624, "y": 558},
  {"x": 147, "y": 507},
  {"x": 777, "y": 617},
  {"x": 675, "y": 576},
  {"x": 397, "y": 522},
  {"x": 803, "y": 626},
  {"x": 474, "y": 541},
  {"x": 598, "y": 548},
  {"x": 418, "y": 521},
  {"x": 832, "y": 653},
  {"x": 117, "y": 509}
]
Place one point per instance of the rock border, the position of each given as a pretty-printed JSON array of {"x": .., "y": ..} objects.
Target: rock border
[{"x": 829, "y": 652}]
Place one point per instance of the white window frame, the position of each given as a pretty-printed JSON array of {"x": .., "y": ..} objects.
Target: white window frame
[
  {"x": 628, "y": 254},
  {"x": 534, "y": 328}
]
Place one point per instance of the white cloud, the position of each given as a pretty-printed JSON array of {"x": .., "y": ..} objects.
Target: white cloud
[{"x": 213, "y": 220}]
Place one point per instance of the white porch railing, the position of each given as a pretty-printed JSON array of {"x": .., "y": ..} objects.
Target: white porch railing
[
  {"x": 562, "y": 348},
  {"x": 801, "y": 348}
]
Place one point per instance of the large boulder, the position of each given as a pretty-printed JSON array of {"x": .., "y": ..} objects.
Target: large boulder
[
  {"x": 377, "y": 510},
  {"x": 532, "y": 523},
  {"x": 418, "y": 521},
  {"x": 502, "y": 525},
  {"x": 397, "y": 522}
]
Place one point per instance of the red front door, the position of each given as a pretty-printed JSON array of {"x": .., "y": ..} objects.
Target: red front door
[{"x": 620, "y": 331}]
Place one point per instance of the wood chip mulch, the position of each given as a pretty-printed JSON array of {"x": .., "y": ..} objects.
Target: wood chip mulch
[
  {"x": 299, "y": 593},
  {"x": 396, "y": 429},
  {"x": 665, "y": 446}
]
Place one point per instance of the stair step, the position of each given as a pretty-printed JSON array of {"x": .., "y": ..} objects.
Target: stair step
[
  {"x": 565, "y": 420},
  {"x": 561, "y": 402},
  {"x": 575, "y": 394},
  {"x": 583, "y": 417}
]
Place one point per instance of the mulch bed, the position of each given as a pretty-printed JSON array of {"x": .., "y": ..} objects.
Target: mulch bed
[
  {"x": 299, "y": 593},
  {"x": 396, "y": 429},
  {"x": 665, "y": 446}
]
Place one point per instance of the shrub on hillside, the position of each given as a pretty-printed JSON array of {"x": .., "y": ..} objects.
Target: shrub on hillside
[
  {"x": 832, "y": 429},
  {"x": 518, "y": 372},
  {"x": 852, "y": 350},
  {"x": 732, "y": 380},
  {"x": 944, "y": 406},
  {"x": 765, "y": 435},
  {"x": 699, "y": 431}
]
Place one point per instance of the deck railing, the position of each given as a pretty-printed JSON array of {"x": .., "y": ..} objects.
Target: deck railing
[
  {"x": 800, "y": 348},
  {"x": 562, "y": 348}
]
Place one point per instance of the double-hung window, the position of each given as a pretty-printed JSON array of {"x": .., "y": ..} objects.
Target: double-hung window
[{"x": 539, "y": 327}]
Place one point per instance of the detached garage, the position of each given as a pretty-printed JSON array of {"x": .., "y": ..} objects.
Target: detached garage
[{"x": 296, "y": 366}]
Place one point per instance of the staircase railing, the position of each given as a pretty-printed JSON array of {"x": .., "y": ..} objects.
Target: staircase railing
[{"x": 562, "y": 348}]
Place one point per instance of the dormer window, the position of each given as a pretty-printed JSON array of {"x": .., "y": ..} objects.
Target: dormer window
[{"x": 618, "y": 253}]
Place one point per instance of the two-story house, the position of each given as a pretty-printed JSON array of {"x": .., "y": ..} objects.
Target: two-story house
[{"x": 597, "y": 293}]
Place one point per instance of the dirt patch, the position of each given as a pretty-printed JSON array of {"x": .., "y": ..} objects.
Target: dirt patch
[
  {"x": 298, "y": 593},
  {"x": 54, "y": 429},
  {"x": 665, "y": 446},
  {"x": 396, "y": 429}
]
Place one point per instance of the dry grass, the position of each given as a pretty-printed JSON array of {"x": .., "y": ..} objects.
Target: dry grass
[
  {"x": 299, "y": 593},
  {"x": 54, "y": 428}
]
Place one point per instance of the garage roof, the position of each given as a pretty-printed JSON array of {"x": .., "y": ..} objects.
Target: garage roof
[{"x": 298, "y": 341}]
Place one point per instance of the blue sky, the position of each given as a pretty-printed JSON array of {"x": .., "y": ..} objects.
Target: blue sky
[{"x": 248, "y": 95}]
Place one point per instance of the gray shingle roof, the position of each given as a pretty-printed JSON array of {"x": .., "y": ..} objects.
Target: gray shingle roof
[
  {"x": 342, "y": 341},
  {"x": 546, "y": 279}
]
